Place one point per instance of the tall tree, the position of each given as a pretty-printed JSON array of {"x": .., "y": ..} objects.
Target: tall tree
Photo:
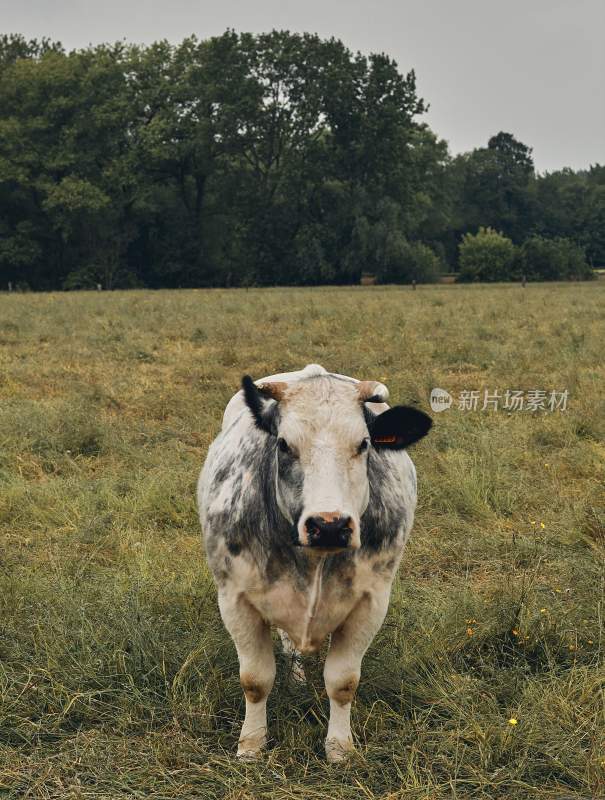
[
  {"x": 65, "y": 176},
  {"x": 495, "y": 187}
]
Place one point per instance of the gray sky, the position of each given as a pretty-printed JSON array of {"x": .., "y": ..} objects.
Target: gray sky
[{"x": 534, "y": 68}]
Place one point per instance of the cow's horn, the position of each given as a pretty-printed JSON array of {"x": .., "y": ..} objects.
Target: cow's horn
[
  {"x": 372, "y": 392},
  {"x": 276, "y": 389}
]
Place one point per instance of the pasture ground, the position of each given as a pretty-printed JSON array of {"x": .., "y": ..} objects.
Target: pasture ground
[{"x": 117, "y": 679}]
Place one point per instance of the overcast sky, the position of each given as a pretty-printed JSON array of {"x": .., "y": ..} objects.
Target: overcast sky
[{"x": 535, "y": 68}]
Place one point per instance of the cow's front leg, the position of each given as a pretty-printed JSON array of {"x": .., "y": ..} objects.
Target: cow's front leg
[
  {"x": 343, "y": 668},
  {"x": 252, "y": 638}
]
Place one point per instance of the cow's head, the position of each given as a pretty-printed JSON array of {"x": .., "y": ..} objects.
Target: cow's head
[{"x": 323, "y": 432}]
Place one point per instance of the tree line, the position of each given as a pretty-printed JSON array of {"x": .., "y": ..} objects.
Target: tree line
[{"x": 265, "y": 159}]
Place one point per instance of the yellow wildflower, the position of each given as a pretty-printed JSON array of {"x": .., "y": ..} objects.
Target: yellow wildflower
[{"x": 513, "y": 721}]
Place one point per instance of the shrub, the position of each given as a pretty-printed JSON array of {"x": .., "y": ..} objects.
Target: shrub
[
  {"x": 553, "y": 259},
  {"x": 84, "y": 278},
  {"x": 487, "y": 256},
  {"x": 405, "y": 262}
]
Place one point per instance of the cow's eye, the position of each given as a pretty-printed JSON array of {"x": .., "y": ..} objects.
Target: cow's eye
[
  {"x": 283, "y": 445},
  {"x": 363, "y": 446}
]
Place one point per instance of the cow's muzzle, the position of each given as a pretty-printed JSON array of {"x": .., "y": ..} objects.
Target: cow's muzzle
[{"x": 328, "y": 532}]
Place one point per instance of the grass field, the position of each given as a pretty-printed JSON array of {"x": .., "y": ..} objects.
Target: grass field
[{"x": 117, "y": 679}]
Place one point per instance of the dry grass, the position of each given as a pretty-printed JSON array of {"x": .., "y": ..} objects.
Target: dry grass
[{"x": 117, "y": 679}]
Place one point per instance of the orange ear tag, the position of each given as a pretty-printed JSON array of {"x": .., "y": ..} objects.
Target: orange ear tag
[{"x": 385, "y": 439}]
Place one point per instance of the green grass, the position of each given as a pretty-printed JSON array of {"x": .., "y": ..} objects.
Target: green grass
[{"x": 117, "y": 679}]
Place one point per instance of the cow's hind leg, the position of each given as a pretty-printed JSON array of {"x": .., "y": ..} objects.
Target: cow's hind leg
[
  {"x": 343, "y": 668},
  {"x": 252, "y": 638},
  {"x": 297, "y": 671}
]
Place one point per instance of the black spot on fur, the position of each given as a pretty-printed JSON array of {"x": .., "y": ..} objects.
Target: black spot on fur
[
  {"x": 342, "y": 567},
  {"x": 255, "y": 523},
  {"x": 383, "y": 566},
  {"x": 222, "y": 473},
  {"x": 236, "y": 491},
  {"x": 274, "y": 568},
  {"x": 386, "y": 512},
  {"x": 210, "y": 543},
  {"x": 291, "y": 482}
]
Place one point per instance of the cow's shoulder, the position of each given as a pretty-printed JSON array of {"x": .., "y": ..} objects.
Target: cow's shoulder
[{"x": 236, "y": 495}]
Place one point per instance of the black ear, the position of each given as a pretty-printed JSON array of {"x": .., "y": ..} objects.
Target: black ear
[
  {"x": 263, "y": 409},
  {"x": 398, "y": 427}
]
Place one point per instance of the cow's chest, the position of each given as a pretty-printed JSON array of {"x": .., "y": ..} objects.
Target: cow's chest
[{"x": 310, "y": 609}]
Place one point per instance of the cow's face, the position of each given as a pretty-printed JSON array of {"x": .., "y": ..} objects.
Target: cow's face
[{"x": 323, "y": 433}]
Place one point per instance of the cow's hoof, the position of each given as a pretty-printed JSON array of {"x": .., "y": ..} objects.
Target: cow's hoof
[
  {"x": 248, "y": 755},
  {"x": 338, "y": 750},
  {"x": 251, "y": 748}
]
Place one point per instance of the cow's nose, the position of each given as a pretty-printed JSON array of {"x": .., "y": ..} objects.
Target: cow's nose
[{"x": 329, "y": 530}]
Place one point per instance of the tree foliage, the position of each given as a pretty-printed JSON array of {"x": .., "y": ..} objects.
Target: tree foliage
[
  {"x": 249, "y": 159},
  {"x": 491, "y": 256},
  {"x": 553, "y": 259}
]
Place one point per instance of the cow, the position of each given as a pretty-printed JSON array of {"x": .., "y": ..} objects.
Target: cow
[{"x": 306, "y": 500}]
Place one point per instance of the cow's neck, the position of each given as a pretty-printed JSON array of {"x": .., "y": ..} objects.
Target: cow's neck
[{"x": 313, "y": 600}]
